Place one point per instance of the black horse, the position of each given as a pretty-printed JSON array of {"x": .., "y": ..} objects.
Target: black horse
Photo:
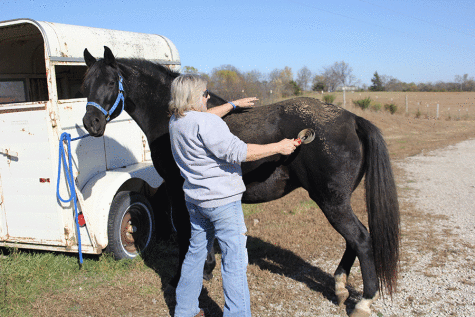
[{"x": 346, "y": 148}]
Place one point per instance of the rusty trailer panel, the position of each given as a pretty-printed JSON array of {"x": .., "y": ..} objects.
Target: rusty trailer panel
[
  {"x": 66, "y": 43},
  {"x": 41, "y": 71}
]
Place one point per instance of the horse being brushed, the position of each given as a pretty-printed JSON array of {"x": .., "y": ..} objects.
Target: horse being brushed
[{"x": 346, "y": 148}]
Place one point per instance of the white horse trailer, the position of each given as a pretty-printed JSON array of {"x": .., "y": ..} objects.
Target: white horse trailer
[{"x": 41, "y": 71}]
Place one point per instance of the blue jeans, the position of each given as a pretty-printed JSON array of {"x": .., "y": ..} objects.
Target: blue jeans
[{"x": 226, "y": 223}]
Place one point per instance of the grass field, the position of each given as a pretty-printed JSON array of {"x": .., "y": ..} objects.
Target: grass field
[{"x": 293, "y": 251}]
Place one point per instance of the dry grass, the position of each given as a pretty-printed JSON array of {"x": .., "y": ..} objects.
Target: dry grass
[
  {"x": 452, "y": 105},
  {"x": 293, "y": 250}
]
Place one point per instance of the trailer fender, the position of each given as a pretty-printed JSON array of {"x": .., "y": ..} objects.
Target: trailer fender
[{"x": 101, "y": 189}]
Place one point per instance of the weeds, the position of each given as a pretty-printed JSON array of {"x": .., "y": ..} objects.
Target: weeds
[
  {"x": 363, "y": 103},
  {"x": 418, "y": 114},
  {"x": 376, "y": 107},
  {"x": 391, "y": 108},
  {"x": 329, "y": 98}
]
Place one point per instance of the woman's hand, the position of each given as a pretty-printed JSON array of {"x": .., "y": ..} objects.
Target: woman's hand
[
  {"x": 287, "y": 146},
  {"x": 245, "y": 102},
  {"x": 257, "y": 151}
]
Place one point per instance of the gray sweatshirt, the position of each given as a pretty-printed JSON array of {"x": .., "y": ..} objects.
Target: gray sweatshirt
[{"x": 209, "y": 157}]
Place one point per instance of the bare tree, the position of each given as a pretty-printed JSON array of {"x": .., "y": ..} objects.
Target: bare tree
[
  {"x": 338, "y": 74},
  {"x": 280, "y": 82},
  {"x": 226, "y": 81},
  {"x": 461, "y": 80},
  {"x": 253, "y": 86},
  {"x": 304, "y": 76}
]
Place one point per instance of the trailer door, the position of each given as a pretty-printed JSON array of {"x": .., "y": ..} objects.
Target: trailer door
[
  {"x": 29, "y": 212},
  {"x": 27, "y": 176}
]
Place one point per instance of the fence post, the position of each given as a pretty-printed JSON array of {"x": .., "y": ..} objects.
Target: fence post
[
  {"x": 344, "y": 98},
  {"x": 437, "y": 115},
  {"x": 407, "y": 107}
]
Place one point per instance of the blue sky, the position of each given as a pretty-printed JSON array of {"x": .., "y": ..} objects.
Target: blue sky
[{"x": 413, "y": 41}]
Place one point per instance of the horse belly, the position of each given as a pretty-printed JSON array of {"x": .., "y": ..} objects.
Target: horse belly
[{"x": 276, "y": 185}]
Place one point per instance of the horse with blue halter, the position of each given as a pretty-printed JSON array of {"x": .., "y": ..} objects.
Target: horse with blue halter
[{"x": 346, "y": 148}]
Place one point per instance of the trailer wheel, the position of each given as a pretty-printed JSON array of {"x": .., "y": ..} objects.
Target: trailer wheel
[{"x": 130, "y": 226}]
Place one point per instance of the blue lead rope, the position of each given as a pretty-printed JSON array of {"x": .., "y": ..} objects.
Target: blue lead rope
[{"x": 68, "y": 166}]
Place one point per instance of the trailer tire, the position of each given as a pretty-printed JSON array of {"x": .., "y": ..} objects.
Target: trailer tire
[{"x": 130, "y": 226}]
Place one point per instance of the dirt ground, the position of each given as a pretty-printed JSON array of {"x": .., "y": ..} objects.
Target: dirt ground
[{"x": 293, "y": 250}]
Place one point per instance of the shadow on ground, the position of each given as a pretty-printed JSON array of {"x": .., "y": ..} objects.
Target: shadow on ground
[{"x": 163, "y": 259}]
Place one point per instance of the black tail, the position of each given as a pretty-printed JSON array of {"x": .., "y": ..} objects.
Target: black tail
[{"x": 382, "y": 204}]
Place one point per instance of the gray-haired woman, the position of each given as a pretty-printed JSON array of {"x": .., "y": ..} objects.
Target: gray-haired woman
[{"x": 209, "y": 157}]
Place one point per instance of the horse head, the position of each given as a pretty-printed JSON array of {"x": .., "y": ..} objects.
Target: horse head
[{"x": 104, "y": 91}]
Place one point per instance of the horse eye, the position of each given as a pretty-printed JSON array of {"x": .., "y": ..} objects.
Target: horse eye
[{"x": 111, "y": 84}]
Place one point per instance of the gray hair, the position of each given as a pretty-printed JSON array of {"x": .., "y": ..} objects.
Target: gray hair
[{"x": 186, "y": 93}]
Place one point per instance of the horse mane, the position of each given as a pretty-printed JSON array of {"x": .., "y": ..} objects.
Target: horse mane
[
  {"x": 144, "y": 75},
  {"x": 145, "y": 67},
  {"x": 148, "y": 68}
]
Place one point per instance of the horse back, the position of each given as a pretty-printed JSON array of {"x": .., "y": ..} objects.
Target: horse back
[
  {"x": 335, "y": 153},
  {"x": 287, "y": 118}
]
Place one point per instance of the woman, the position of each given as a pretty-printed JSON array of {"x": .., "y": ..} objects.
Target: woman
[{"x": 209, "y": 158}]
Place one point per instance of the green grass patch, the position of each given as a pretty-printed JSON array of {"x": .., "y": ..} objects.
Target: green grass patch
[
  {"x": 251, "y": 209},
  {"x": 304, "y": 206},
  {"x": 25, "y": 276}
]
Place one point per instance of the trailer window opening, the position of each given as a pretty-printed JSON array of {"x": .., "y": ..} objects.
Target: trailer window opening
[
  {"x": 12, "y": 91},
  {"x": 22, "y": 66},
  {"x": 68, "y": 81}
]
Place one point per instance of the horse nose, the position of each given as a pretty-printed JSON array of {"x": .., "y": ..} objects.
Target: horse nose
[{"x": 92, "y": 125}]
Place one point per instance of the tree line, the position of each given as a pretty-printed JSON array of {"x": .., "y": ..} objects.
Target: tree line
[
  {"x": 230, "y": 83},
  {"x": 388, "y": 83}
]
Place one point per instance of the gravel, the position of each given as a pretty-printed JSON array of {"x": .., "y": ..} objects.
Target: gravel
[
  {"x": 437, "y": 255},
  {"x": 438, "y": 263}
]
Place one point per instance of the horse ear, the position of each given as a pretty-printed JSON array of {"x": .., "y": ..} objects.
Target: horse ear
[
  {"x": 108, "y": 56},
  {"x": 90, "y": 60}
]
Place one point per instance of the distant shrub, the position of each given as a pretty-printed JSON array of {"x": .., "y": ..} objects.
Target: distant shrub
[
  {"x": 418, "y": 114},
  {"x": 295, "y": 88},
  {"x": 363, "y": 103},
  {"x": 376, "y": 107},
  {"x": 392, "y": 108},
  {"x": 329, "y": 98}
]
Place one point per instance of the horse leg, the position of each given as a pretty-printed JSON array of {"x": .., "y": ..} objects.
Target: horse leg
[
  {"x": 342, "y": 273},
  {"x": 210, "y": 262},
  {"x": 181, "y": 221},
  {"x": 358, "y": 242}
]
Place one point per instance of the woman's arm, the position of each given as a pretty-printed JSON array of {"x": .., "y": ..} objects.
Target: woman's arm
[
  {"x": 257, "y": 151},
  {"x": 223, "y": 110}
]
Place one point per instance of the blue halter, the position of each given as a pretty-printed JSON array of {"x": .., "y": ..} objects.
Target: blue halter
[{"x": 120, "y": 97}]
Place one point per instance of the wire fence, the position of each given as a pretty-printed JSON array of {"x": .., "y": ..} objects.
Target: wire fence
[{"x": 430, "y": 105}]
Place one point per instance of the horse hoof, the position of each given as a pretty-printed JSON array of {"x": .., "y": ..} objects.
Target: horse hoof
[
  {"x": 363, "y": 307},
  {"x": 342, "y": 296},
  {"x": 340, "y": 290},
  {"x": 360, "y": 312},
  {"x": 207, "y": 277}
]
